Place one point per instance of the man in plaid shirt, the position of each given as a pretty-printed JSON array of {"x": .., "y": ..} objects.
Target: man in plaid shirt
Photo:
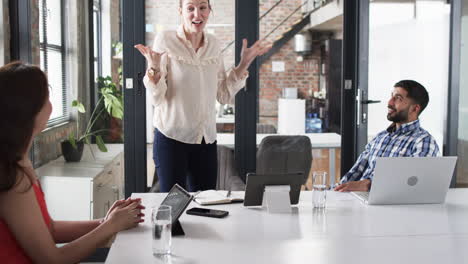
[{"x": 403, "y": 138}]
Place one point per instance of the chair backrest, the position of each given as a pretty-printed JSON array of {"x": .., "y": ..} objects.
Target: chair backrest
[
  {"x": 285, "y": 154},
  {"x": 226, "y": 167}
]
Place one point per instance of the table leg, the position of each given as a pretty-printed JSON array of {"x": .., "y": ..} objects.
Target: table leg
[{"x": 332, "y": 161}]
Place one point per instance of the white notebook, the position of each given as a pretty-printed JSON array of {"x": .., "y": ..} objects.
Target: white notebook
[{"x": 211, "y": 197}]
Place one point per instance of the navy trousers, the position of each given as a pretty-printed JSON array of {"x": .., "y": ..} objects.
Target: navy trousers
[{"x": 192, "y": 166}]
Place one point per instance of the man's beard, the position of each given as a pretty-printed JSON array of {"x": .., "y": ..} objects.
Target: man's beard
[{"x": 398, "y": 117}]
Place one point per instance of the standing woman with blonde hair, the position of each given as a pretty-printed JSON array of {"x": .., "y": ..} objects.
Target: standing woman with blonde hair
[{"x": 185, "y": 76}]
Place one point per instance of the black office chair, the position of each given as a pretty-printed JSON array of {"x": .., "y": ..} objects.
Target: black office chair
[
  {"x": 228, "y": 178},
  {"x": 285, "y": 154}
]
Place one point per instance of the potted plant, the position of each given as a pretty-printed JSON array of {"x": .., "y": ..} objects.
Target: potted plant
[
  {"x": 113, "y": 125},
  {"x": 110, "y": 103}
]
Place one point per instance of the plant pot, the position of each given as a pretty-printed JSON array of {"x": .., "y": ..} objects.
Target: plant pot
[
  {"x": 115, "y": 131},
  {"x": 70, "y": 153}
]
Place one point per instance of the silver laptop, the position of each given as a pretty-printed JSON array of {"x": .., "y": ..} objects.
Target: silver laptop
[{"x": 409, "y": 180}]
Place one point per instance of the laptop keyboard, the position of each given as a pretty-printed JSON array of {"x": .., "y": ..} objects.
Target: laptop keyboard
[{"x": 363, "y": 195}]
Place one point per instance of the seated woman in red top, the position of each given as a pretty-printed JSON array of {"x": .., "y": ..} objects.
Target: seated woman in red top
[{"x": 27, "y": 233}]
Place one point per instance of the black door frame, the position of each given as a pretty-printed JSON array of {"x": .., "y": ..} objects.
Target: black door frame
[
  {"x": 133, "y": 29},
  {"x": 20, "y": 38},
  {"x": 20, "y": 34},
  {"x": 355, "y": 78},
  {"x": 247, "y": 26}
]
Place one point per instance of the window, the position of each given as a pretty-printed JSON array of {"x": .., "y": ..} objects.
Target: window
[
  {"x": 97, "y": 26},
  {"x": 52, "y": 53}
]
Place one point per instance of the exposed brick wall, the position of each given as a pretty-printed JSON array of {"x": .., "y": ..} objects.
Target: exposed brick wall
[
  {"x": 277, "y": 15},
  {"x": 47, "y": 144},
  {"x": 163, "y": 14},
  {"x": 301, "y": 75},
  {"x": 36, "y": 59}
]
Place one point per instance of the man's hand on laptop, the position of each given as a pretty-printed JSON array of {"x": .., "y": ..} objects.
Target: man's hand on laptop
[{"x": 353, "y": 186}]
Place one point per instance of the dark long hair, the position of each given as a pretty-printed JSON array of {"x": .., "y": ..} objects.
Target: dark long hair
[{"x": 23, "y": 93}]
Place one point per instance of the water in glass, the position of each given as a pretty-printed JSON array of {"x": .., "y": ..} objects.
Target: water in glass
[
  {"x": 319, "y": 192},
  {"x": 162, "y": 237},
  {"x": 162, "y": 230}
]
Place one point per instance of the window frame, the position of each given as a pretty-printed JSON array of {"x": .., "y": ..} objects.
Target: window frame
[
  {"x": 44, "y": 47},
  {"x": 95, "y": 54}
]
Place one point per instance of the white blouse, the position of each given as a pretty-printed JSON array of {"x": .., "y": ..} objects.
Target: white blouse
[{"x": 184, "y": 98}]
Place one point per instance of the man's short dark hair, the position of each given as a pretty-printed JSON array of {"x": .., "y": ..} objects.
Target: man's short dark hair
[{"x": 416, "y": 92}]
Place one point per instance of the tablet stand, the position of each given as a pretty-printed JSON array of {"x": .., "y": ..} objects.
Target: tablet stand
[
  {"x": 177, "y": 229},
  {"x": 276, "y": 198}
]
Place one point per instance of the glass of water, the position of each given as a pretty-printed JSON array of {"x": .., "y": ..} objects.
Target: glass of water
[
  {"x": 161, "y": 226},
  {"x": 319, "y": 189}
]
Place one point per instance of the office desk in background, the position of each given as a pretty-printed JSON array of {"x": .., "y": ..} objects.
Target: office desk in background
[
  {"x": 347, "y": 232},
  {"x": 330, "y": 141}
]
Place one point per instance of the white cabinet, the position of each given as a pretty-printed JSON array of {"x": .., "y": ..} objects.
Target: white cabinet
[{"x": 83, "y": 190}]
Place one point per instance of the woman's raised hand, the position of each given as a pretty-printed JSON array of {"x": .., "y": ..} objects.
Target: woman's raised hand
[
  {"x": 248, "y": 55},
  {"x": 153, "y": 59}
]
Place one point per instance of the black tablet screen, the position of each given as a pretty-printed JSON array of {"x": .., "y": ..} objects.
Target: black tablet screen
[{"x": 178, "y": 199}]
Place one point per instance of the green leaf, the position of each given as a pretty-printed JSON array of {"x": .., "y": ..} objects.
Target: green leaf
[
  {"x": 100, "y": 143},
  {"x": 87, "y": 141},
  {"x": 79, "y": 106},
  {"x": 117, "y": 113}
]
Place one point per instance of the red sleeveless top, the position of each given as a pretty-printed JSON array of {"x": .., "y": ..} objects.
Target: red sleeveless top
[{"x": 10, "y": 250}]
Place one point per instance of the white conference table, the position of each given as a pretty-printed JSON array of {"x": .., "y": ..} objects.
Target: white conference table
[
  {"x": 330, "y": 141},
  {"x": 346, "y": 232}
]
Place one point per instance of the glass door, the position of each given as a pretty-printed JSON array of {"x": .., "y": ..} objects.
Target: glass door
[
  {"x": 300, "y": 79},
  {"x": 409, "y": 40},
  {"x": 386, "y": 41}
]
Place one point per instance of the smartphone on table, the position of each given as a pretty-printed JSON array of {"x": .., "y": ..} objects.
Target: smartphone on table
[{"x": 207, "y": 212}]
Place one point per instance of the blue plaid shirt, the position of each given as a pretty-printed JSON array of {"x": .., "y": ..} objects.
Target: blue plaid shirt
[{"x": 410, "y": 140}]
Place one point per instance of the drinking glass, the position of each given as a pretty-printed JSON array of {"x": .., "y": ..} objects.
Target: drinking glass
[
  {"x": 319, "y": 189},
  {"x": 161, "y": 226}
]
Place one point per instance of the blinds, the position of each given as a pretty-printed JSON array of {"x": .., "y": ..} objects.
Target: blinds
[{"x": 52, "y": 56}]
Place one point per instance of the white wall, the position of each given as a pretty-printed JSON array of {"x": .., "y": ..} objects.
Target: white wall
[{"x": 405, "y": 46}]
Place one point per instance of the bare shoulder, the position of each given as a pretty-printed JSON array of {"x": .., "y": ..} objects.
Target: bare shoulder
[
  {"x": 20, "y": 211},
  {"x": 21, "y": 194}
]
